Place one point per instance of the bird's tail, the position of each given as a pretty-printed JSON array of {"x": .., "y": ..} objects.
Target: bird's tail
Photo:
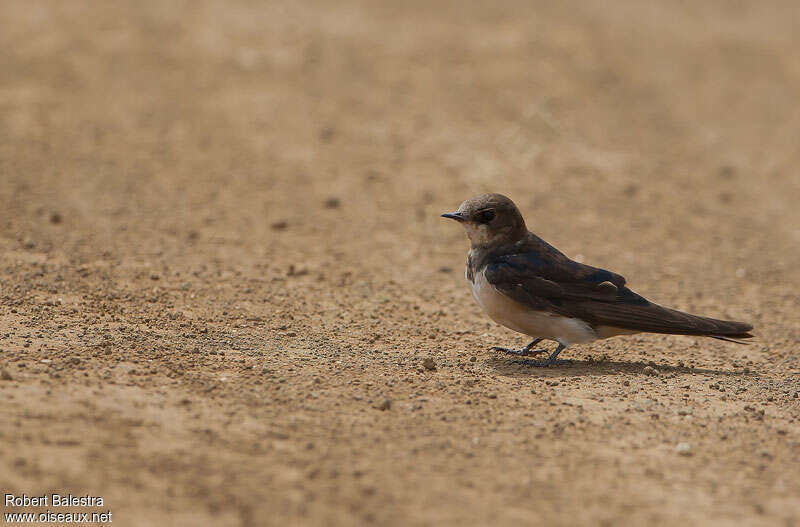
[
  {"x": 638, "y": 314},
  {"x": 734, "y": 340}
]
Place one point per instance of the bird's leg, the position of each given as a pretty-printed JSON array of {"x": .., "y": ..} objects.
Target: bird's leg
[
  {"x": 551, "y": 360},
  {"x": 524, "y": 352}
]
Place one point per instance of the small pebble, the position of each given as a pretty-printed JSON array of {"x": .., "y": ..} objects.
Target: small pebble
[
  {"x": 279, "y": 225},
  {"x": 684, "y": 449},
  {"x": 384, "y": 405},
  {"x": 326, "y": 134},
  {"x": 649, "y": 370},
  {"x": 5, "y": 375},
  {"x": 429, "y": 364},
  {"x": 293, "y": 271}
]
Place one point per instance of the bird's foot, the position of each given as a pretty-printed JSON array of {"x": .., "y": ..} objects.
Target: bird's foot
[
  {"x": 543, "y": 363},
  {"x": 524, "y": 352},
  {"x": 549, "y": 361}
]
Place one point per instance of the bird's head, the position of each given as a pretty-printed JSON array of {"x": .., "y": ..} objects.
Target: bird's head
[{"x": 490, "y": 220}]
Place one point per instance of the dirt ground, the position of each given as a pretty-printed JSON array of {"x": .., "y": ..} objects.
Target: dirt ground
[{"x": 222, "y": 264}]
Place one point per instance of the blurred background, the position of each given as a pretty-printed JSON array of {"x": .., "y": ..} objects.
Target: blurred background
[{"x": 219, "y": 224}]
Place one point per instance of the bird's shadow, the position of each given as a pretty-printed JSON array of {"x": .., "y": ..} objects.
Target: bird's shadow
[{"x": 516, "y": 368}]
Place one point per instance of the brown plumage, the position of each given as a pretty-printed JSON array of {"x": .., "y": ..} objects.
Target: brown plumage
[{"x": 540, "y": 281}]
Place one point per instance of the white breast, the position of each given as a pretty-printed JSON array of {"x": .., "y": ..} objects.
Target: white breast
[{"x": 523, "y": 319}]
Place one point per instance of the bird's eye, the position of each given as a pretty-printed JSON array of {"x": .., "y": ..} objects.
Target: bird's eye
[{"x": 485, "y": 216}]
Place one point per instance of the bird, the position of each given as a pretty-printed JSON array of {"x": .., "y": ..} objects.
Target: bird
[{"x": 525, "y": 284}]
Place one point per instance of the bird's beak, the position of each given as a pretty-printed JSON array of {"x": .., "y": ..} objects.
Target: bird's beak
[{"x": 454, "y": 216}]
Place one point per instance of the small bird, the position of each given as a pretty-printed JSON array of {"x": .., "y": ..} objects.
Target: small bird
[{"x": 529, "y": 286}]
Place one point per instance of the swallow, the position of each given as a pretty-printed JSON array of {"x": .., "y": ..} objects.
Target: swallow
[{"x": 527, "y": 285}]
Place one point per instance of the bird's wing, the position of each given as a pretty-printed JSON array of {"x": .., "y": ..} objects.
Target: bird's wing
[
  {"x": 532, "y": 277},
  {"x": 594, "y": 295}
]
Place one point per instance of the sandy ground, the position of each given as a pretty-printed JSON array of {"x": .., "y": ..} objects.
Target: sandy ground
[{"x": 222, "y": 264}]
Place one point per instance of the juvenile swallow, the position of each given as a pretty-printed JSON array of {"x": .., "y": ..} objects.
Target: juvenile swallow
[{"x": 529, "y": 286}]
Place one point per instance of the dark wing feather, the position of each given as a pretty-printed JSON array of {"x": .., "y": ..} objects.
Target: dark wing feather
[
  {"x": 525, "y": 275},
  {"x": 555, "y": 283},
  {"x": 654, "y": 318}
]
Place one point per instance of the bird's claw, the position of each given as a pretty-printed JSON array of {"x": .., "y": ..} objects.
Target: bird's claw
[{"x": 522, "y": 352}]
